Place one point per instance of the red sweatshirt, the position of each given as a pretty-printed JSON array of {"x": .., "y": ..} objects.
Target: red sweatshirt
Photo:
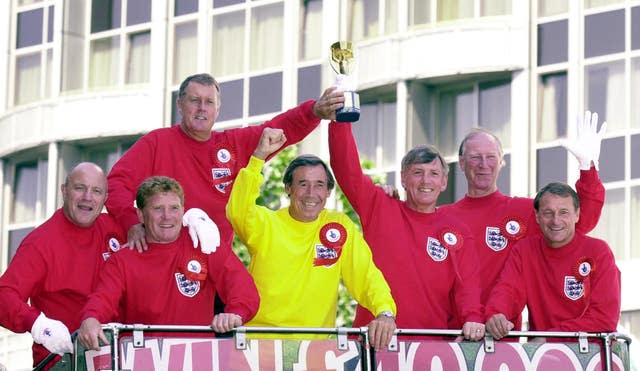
[
  {"x": 156, "y": 287},
  {"x": 56, "y": 267},
  {"x": 407, "y": 247},
  {"x": 558, "y": 296}
]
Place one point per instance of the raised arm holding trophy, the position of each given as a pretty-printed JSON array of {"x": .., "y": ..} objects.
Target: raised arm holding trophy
[{"x": 342, "y": 62}]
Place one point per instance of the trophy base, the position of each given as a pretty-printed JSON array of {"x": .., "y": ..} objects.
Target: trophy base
[{"x": 350, "y": 112}]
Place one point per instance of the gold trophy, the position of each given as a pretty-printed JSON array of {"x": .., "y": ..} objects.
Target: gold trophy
[{"x": 342, "y": 62}]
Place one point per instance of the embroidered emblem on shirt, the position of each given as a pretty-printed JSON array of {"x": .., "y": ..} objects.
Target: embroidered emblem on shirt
[
  {"x": 513, "y": 228},
  {"x": 494, "y": 240},
  {"x": 218, "y": 175},
  {"x": 435, "y": 250},
  {"x": 573, "y": 288},
  {"x": 326, "y": 256},
  {"x": 187, "y": 287}
]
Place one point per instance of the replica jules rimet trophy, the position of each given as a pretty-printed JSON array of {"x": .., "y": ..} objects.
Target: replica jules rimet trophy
[{"x": 342, "y": 62}]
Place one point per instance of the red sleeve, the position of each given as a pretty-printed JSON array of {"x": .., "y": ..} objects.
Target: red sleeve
[
  {"x": 345, "y": 163},
  {"x": 591, "y": 192},
  {"x": 234, "y": 284},
  {"x": 509, "y": 296},
  {"x": 467, "y": 288},
  {"x": 104, "y": 302},
  {"x": 23, "y": 279},
  {"x": 125, "y": 177},
  {"x": 603, "y": 310}
]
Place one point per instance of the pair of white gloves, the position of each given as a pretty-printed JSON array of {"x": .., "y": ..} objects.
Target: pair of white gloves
[{"x": 586, "y": 145}]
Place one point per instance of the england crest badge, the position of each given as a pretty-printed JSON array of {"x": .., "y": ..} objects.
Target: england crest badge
[
  {"x": 219, "y": 175},
  {"x": 573, "y": 289},
  {"x": 494, "y": 239},
  {"x": 187, "y": 287},
  {"x": 435, "y": 250}
]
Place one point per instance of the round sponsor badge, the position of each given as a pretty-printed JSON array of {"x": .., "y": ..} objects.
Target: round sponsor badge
[
  {"x": 194, "y": 266},
  {"x": 583, "y": 268},
  {"x": 450, "y": 238},
  {"x": 333, "y": 235},
  {"x": 513, "y": 228}
]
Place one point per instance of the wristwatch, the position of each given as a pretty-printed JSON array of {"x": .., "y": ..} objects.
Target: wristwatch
[{"x": 387, "y": 314}]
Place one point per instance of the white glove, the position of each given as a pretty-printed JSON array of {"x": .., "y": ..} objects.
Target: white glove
[
  {"x": 586, "y": 147},
  {"x": 203, "y": 229},
  {"x": 52, "y": 334}
]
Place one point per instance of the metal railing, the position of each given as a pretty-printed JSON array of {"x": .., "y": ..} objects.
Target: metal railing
[{"x": 243, "y": 337}]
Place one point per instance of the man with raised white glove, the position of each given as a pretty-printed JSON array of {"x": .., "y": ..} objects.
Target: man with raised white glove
[
  {"x": 52, "y": 334},
  {"x": 57, "y": 264},
  {"x": 497, "y": 220},
  {"x": 202, "y": 229},
  {"x": 586, "y": 146}
]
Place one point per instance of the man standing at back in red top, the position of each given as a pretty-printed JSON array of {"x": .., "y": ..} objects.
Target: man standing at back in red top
[
  {"x": 205, "y": 163},
  {"x": 497, "y": 221}
]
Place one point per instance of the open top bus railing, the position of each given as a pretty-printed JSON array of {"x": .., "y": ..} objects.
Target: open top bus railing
[{"x": 131, "y": 347}]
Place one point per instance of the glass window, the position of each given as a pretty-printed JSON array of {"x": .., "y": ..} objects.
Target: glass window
[
  {"x": 391, "y": 16},
  {"x": 29, "y": 28},
  {"x": 139, "y": 60},
  {"x": 419, "y": 12},
  {"x": 495, "y": 109},
  {"x": 222, "y": 3},
  {"x": 227, "y": 44},
  {"x": 73, "y": 46},
  {"x": 309, "y": 81},
  {"x": 612, "y": 162},
  {"x": 495, "y": 7},
  {"x": 455, "y": 119},
  {"x": 181, "y": 7},
  {"x": 454, "y": 9},
  {"x": 635, "y": 159},
  {"x": 365, "y": 19},
  {"x": 266, "y": 36},
  {"x": 232, "y": 98},
  {"x": 552, "y": 106},
  {"x": 594, "y": 3},
  {"x": 103, "y": 70},
  {"x": 635, "y": 27},
  {"x": 375, "y": 133},
  {"x": 48, "y": 73},
  {"x": 604, "y": 33},
  {"x": 635, "y": 221},
  {"x": 50, "y": 24},
  {"x": 15, "y": 238},
  {"x": 553, "y": 42},
  {"x": 603, "y": 85},
  {"x": 184, "y": 44},
  {"x": 265, "y": 94},
  {"x": 29, "y": 191},
  {"x": 635, "y": 92},
  {"x": 552, "y": 7},
  {"x": 27, "y": 85},
  {"x": 551, "y": 166},
  {"x": 610, "y": 227},
  {"x": 310, "y": 29},
  {"x": 176, "y": 117},
  {"x": 138, "y": 11},
  {"x": 105, "y": 15}
]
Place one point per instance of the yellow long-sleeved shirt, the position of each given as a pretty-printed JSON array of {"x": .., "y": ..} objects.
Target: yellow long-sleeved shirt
[{"x": 293, "y": 291}]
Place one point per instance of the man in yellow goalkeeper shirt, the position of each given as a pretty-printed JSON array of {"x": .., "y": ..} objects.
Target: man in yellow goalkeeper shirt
[{"x": 300, "y": 253}]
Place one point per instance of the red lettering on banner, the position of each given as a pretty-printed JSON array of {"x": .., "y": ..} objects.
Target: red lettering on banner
[
  {"x": 555, "y": 359},
  {"x": 323, "y": 355},
  {"x": 202, "y": 356},
  {"x": 176, "y": 356},
  {"x": 507, "y": 356},
  {"x": 102, "y": 361},
  {"x": 229, "y": 355},
  {"x": 424, "y": 355},
  {"x": 143, "y": 360}
]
